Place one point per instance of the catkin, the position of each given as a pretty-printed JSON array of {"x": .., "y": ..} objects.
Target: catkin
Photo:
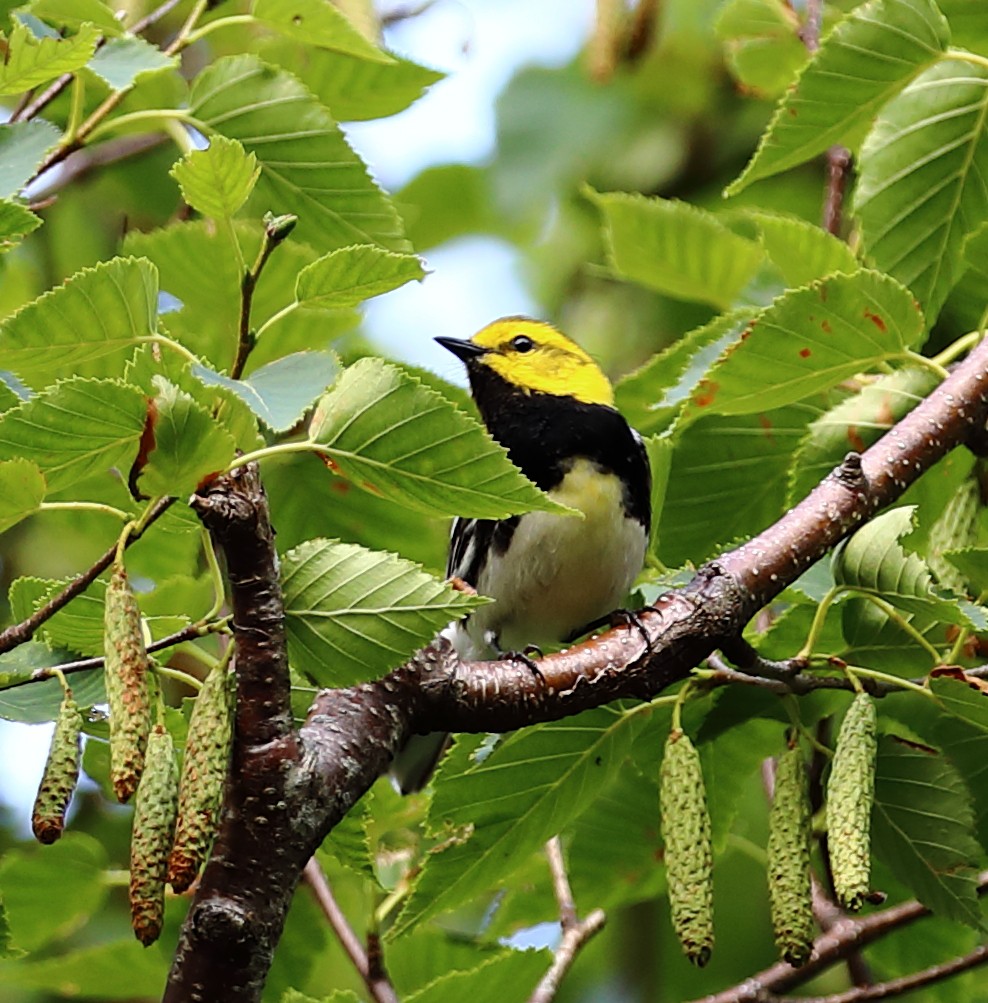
[
  {"x": 790, "y": 892},
  {"x": 204, "y": 768},
  {"x": 127, "y": 689},
  {"x": 61, "y": 773},
  {"x": 688, "y": 852},
  {"x": 151, "y": 838},
  {"x": 850, "y": 793}
]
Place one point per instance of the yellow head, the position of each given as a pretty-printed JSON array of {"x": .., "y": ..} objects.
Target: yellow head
[{"x": 536, "y": 357}]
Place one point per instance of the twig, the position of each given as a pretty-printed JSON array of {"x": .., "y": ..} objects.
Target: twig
[
  {"x": 275, "y": 231},
  {"x": 18, "y": 633},
  {"x": 896, "y": 987},
  {"x": 380, "y": 988},
  {"x": 576, "y": 932}
]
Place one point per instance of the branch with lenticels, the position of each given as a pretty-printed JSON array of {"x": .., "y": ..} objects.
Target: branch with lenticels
[{"x": 289, "y": 788}]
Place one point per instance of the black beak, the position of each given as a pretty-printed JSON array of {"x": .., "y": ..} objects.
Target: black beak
[{"x": 466, "y": 351}]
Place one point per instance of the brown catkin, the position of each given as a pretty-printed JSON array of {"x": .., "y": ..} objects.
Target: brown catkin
[
  {"x": 850, "y": 794},
  {"x": 789, "y": 882},
  {"x": 61, "y": 773},
  {"x": 127, "y": 689},
  {"x": 204, "y": 768},
  {"x": 688, "y": 851},
  {"x": 151, "y": 838}
]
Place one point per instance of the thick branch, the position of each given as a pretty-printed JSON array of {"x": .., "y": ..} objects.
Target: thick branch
[{"x": 287, "y": 791}]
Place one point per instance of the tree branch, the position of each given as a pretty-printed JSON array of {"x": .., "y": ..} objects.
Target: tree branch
[
  {"x": 287, "y": 790},
  {"x": 18, "y": 633}
]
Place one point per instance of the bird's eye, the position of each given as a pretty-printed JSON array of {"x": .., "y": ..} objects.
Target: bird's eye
[{"x": 522, "y": 343}]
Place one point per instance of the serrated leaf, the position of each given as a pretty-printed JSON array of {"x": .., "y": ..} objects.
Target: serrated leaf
[
  {"x": 22, "y": 489},
  {"x": 962, "y": 700},
  {"x": 316, "y": 23},
  {"x": 23, "y": 146},
  {"x": 189, "y": 444},
  {"x": 88, "y": 326},
  {"x": 280, "y": 392},
  {"x": 351, "y": 613},
  {"x": 651, "y": 396},
  {"x": 78, "y": 428},
  {"x": 921, "y": 179},
  {"x": 856, "y": 423},
  {"x": 922, "y": 828},
  {"x": 350, "y": 275},
  {"x": 676, "y": 248},
  {"x": 809, "y": 340},
  {"x": 800, "y": 250},
  {"x": 508, "y": 978},
  {"x": 307, "y": 168},
  {"x": 122, "y": 60},
  {"x": 972, "y": 563},
  {"x": 494, "y": 815},
  {"x": 354, "y": 89},
  {"x": 16, "y": 222},
  {"x": 217, "y": 181},
  {"x": 867, "y": 59},
  {"x": 388, "y": 432},
  {"x": 349, "y": 844},
  {"x": 728, "y": 480},
  {"x": 31, "y": 62},
  {"x": 75, "y": 13},
  {"x": 873, "y": 561}
]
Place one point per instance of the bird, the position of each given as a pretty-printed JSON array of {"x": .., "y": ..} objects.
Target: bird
[{"x": 552, "y": 576}]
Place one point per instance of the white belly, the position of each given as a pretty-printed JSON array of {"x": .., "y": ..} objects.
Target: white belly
[{"x": 563, "y": 573}]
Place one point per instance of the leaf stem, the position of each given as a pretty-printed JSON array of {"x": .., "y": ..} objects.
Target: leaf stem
[
  {"x": 78, "y": 103},
  {"x": 220, "y": 22},
  {"x": 958, "y": 347},
  {"x": 902, "y": 623},
  {"x": 926, "y": 363},
  {"x": 278, "y": 449},
  {"x": 275, "y": 317},
  {"x": 175, "y": 346},
  {"x": 885, "y": 677},
  {"x": 84, "y": 506},
  {"x": 146, "y": 115},
  {"x": 216, "y": 574},
  {"x": 816, "y": 627}
]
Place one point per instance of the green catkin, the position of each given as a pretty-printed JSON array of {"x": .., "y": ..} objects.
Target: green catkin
[
  {"x": 850, "y": 794},
  {"x": 151, "y": 838},
  {"x": 688, "y": 852},
  {"x": 789, "y": 883},
  {"x": 204, "y": 768},
  {"x": 127, "y": 689},
  {"x": 61, "y": 773}
]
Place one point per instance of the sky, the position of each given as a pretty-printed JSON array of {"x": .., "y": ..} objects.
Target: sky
[{"x": 473, "y": 280}]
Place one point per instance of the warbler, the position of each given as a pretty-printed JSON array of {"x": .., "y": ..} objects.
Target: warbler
[{"x": 551, "y": 576}]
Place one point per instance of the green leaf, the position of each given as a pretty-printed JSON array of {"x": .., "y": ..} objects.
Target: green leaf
[
  {"x": 39, "y": 701},
  {"x": 78, "y": 428},
  {"x": 122, "y": 60},
  {"x": 352, "y": 614},
  {"x": 31, "y": 62},
  {"x": 189, "y": 444},
  {"x": 316, "y": 23},
  {"x": 31, "y": 878},
  {"x": 347, "y": 277},
  {"x": 728, "y": 480},
  {"x": 809, "y": 340},
  {"x": 762, "y": 43},
  {"x": 88, "y": 326},
  {"x": 922, "y": 827},
  {"x": 23, "y": 146},
  {"x": 651, "y": 396},
  {"x": 22, "y": 489},
  {"x": 856, "y": 423},
  {"x": 962, "y": 700},
  {"x": 867, "y": 59},
  {"x": 388, "y": 432},
  {"x": 508, "y": 978},
  {"x": 279, "y": 392},
  {"x": 972, "y": 562},
  {"x": 921, "y": 187},
  {"x": 307, "y": 168},
  {"x": 217, "y": 181},
  {"x": 75, "y": 13},
  {"x": 676, "y": 248},
  {"x": 349, "y": 845},
  {"x": 800, "y": 250},
  {"x": 353, "y": 89},
  {"x": 492, "y": 817},
  {"x": 873, "y": 561},
  {"x": 16, "y": 222}
]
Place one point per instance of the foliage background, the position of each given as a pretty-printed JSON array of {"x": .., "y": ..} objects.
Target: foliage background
[{"x": 674, "y": 123}]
